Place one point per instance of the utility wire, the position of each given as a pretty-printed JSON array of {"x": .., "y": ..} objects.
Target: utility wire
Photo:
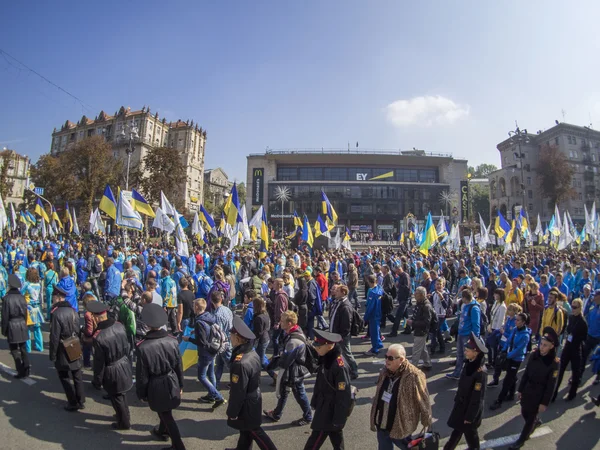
[{"x": 4, "y": 53}]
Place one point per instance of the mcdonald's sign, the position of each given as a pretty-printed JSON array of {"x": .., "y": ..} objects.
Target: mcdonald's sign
[{"x": 258, "y": 185}]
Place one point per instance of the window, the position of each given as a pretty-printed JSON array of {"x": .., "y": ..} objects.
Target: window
[
  {"x": 287, "y": 173},
  {"x": 335, "y": 174},
  {"x": 115, "y": 153},
  {"x": 569, "y": 139},
  {"x": 528, "y": 181},
  {"x": 427, "y": 176},
  {"x": 529, "y": 194},
  {"x": 580, "y": 196},
  {"x": 310, "y": 173},
  {"x": 530, "y": 207},
  {"x": 407, "y": 175},
  {"x": 556, "y": 140},
  {"x": 574, "y": 140}
]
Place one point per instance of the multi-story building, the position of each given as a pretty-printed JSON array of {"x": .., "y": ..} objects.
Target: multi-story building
[
  {"x": 17, "y": 174},
  {"x": 518, "y": 178},
  {"x": 151, "y": 131},
  {"x": 216, "y": 186},
  {"x": 371, "y": 191}
]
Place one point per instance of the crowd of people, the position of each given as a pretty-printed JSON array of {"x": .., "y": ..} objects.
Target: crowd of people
[{"x": 125, "y": 311}]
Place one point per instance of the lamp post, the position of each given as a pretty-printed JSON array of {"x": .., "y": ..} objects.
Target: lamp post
[
  {"x": 131, "y": 133},
  {"x": 519, "y": 137},
  {"x": 282, "y": 193}
]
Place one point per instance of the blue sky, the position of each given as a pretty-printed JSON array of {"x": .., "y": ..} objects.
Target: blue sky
[{"x": 440, "y": 76}]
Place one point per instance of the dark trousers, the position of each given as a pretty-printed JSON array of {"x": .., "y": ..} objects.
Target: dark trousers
[
  {"x": 590, "y": 344},
  {"x": 570, "y": 355},
  {"x": 259, "y": 436},
  {"x": 353, "y": 298},
  {"x": 492, "y": 343},
  {"x": 94, "y": 283},
  {"x": 74, "y": 392},
  {"x": 471, "y": 436},
  {"x": 510, "y": 380},
  {"x": 276, "y": 338},
  {"x": 172, "y": 319},
  {"x": 310, "y": 325},
  {"x": 21, "y": 357},
  {"x": 301, "y": 398},
  {"x": 437, "y": 336},
  {"x": 119, "y": 403},
  {"x": 530, "y": 419},
  {"x": 169, "y": 426},
  {"x": 400, "y": 314},
  {"x": 317, "y": 439}
]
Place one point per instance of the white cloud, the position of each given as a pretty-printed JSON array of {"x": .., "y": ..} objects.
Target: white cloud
[{"x": 425, "y": 111}]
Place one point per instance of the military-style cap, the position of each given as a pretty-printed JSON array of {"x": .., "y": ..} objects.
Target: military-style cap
[
  {"x": 14, "y": 281},
  {"x": 241, "y": 329},
  {"x": 96, "y": 307},
  {"x": 325, "y": 337},
  {"x": 154, "y": 315},
  {"x": 59, "y": 291},
  {"x": 550, "y": 335},
  {"x": 596, "y": 292},
  {"x": 476, "y": 343}
]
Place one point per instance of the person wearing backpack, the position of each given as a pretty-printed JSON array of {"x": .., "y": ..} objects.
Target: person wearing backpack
[
  {"x": 94, "y": 268},
  {"x": 423, "y": 319},
  {"x": 205, "y": 321},
  {"x": 291, "y": 370},
  {"x": 340, "y": 322},
  {"x": 469, "y": 321},
  {"x": 554, "y": 316},
  {"x": 279, "y": 307}
]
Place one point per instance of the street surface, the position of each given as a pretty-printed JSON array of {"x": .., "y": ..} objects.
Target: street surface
[{"x": 32, "y": 415}]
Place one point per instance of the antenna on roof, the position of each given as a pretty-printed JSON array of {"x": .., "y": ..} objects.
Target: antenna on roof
[{"x": 564, "y": 113}]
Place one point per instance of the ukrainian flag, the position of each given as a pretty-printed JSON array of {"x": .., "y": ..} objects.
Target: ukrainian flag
[
  {"x": 108, "y": 203},
  {"x": 430, "y": 236},
  {"x": 264, "y": 230},
  {"x": 30, "y": 218},
  {"x": 523, "y": 223},
  {"x": 205, "y": 217},
  {"x": 55, "y": 217},
  {"x": 328, "y": 210},
  {"x": 139, "y": 203},
  {"x": 68, "y": 219},
  {"x": 232, "y": 207},
  {"x": 307, "y": 235},
  {"x": 188, "y": 351},
  {"x": 511, "y": 232},
  {"x": 40, "y": 211},
  {"x": 297, "y": 220},
  {"x": 501, "y": 226},
  {"x": 347, "y": 235},
  {"x": 320, "y": 226}
]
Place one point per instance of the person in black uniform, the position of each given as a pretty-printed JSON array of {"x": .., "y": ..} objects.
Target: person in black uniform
[
  {"x": 244, "y": 412},
  {"x": 467, "y": 412},
  {"x": 65, "y": 324},
  {"x": 577, "y": 330},
  {"x": 14, "y": 325},
  {"x": 159, "y": 374},
  {"x": 112, "y": 370},
  {"x": 538, "y": 384},
  {"x": 332, "y": 397}
]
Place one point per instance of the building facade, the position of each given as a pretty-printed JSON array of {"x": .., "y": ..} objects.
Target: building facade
[
  {"x": 518, "y": 177},
  {"x": 152, "y": 131},
  {"x": 17, "y": 175},
  {"x": 372, "y": 192},
  {"x": 216, "y": 186}
]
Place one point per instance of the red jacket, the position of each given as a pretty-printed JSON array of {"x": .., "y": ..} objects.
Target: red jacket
[{"x": 323, "y": 285}]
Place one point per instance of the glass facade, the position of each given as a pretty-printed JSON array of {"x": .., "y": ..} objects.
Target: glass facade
[{"x": 308, "y": 173}]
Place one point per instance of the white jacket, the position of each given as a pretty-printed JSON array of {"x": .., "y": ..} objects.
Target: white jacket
[
  {"x": 439, "y": 309},
  {"x": 498, "y": 315}
]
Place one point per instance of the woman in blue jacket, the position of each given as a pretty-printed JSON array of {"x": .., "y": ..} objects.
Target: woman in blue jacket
[{"x": 373, "y": 314}]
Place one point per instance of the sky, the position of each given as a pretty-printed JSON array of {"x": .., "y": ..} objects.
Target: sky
[{"x": 449, "y": 77}]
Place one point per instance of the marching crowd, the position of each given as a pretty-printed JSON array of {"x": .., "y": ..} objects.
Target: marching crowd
[{"x": 126, "y": 312}]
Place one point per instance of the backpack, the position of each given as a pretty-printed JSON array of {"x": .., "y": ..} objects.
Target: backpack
[
  {"x": 357, "y": 325},
  {"x": 217, "y": 340},
  {"x": 97, "y": 266},
  {"x": 433, "y": 326},
  {"x": 204, "y": 287},
  {"x": 483, "y": 321},
  {"x": 311, "y": 358},
  {"x": 190, "y": 280},
  {"x": 387, "y": 303}
]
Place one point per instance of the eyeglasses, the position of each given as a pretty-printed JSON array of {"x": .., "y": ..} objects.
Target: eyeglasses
[
  {"x": 392, "y": 358},
  {"x": 574, "y": 307}
]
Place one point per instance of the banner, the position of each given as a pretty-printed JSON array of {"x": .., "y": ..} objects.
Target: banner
[
  {"x": 464, "y": 201},
  {"x": 258, "y": 185}
]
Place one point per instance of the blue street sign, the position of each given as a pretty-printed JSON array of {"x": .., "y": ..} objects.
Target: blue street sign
[{"x": 39, "y": 191}]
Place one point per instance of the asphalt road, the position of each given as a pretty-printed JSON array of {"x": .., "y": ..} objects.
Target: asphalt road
[{"x": 32, "y": 415}]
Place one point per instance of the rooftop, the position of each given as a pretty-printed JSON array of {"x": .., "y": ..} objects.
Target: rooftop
[{"x": 341, "y": 151}]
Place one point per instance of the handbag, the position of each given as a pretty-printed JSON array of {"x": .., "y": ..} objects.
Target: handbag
[
  {"x": 72, "y": 347},
  {"x": 429, "y": 440}
]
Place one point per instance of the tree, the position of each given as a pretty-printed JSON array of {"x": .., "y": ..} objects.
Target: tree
[
  {"x": 169, "y": 174},
  {"x": 6, "y": 184},
  {"x": 241, "y": 188},
  {"x": 482, "y": 171},
  {"x": 480, "y": 201},
  {"x": 555, "y": 175},
  {"x": 79, "y": 174}
]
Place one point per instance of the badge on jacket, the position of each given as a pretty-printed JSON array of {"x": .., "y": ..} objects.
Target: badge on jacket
[
  {"x": 555, "y": 374},
  {"x": 477, "y": 386},
  {"x": 239, "y": 357},
  {"x": 340, "y": 361},
  {"x": 341, "y": 386},
  {"x": 235, "y": 378}
]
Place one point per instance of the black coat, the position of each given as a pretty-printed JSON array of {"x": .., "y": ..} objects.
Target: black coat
[
  {"x": 159, "y": 371},
  {"x": 112, "y": 369},
  {"x": 341, "y": 313},
  {"x": 244, "y": 411},
  {"x": 331, "y": 398},
  {"x": 468, "y": 401},
  {"x": 577, "y": 331},
  {"x": 422, "y": 318},
  {"x": 64, "y": 324},
  {"x": 14, "y": 317},
  {"x": 261, "y": 326},
  {"x": 301, "y": 296},
  {"x": 538, "y": 381}
]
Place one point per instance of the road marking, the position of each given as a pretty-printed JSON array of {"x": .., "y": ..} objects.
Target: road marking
[
  {"x": 13, "y": 372},
  {"x": 508, "y": 440}
]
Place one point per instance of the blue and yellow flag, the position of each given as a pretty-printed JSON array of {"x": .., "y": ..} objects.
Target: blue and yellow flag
[
  {"x": 40, "y": 211},
  {"x": 205, "y": 217},
  {"x": 510, "y": 234},
  {"x": 188, "y": 351},
  {"x": 232, "y": 207},
  {"x": 430, "y": 236},
  {"x": 523, "y": 224},
  {"x": 139, "y": 204},
  {"x": 297, "y": 220},
  {"x": 501, "y": 227},
  {"x": 307, "y": 235},
  {"x": 54, "y": 216},
  {"x": 108, "y": 203},
  {"x": 330, "y": 214},
  {"x": 320, "y": 226},
  {"x": 347, "y": 235},
  {"x": 30, "y": 218},
  {"x": 68, "y": 219},
  {"x": 264, "y": 230}
]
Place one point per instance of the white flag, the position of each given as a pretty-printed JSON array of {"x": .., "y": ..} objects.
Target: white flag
[
  {"x": 538, "y": 228},
  {"x": 163, "y": 222},
  {"x": 337, "y": 240},
  {"x": 128, "y": 217},
  {"x": 181, "y": 242},
  {"x": 75, "y": 224},
  {"x": 13, "y": 216},
  {"x": 245, "y": 228},
  {"x": 44, "y": 232},
  {"x": 484, "y": 239},
  {"x": 3, "y": 216},
  {"x": 166, "y": 206}
]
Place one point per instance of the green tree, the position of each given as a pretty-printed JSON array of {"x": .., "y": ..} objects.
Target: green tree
[
  {"x": 241, "y": 188},
  {"x": 555, "y": 175},
  {"x": 169, "y": 174},
  {"x": 6, "y": 185},
  {"x": 481, "y": 171},
  {"x": 480, "y": 201}
]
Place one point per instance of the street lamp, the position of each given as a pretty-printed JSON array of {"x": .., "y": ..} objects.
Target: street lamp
[
  {"x": 519, "y": 137},
  {"x": 282, "y": 193},
  {"x": 131, "y": 133}
]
